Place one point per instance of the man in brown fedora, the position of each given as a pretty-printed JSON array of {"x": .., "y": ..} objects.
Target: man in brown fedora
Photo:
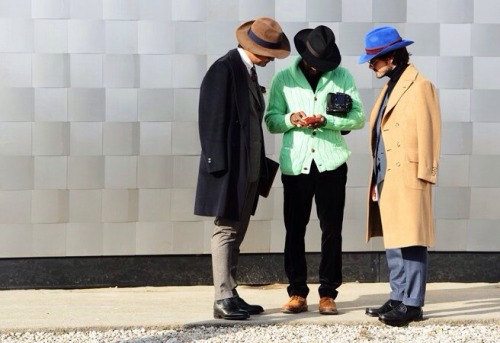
[
  {"x": 313, "y": 158},
  {"x": 232, "y": 163}
]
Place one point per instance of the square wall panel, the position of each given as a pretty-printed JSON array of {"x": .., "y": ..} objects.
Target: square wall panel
[
  {"x": 486, "y": 139},
  {"x": 17, "y": 104},
  {"x": 222, "y": 10},
  {"x": 350, "y": 39},
  {"x": 16, "y": 172},
  {"x": 156, "y": 138},
  {"x": 483, "y": 235},
  {"x": 51, "y": 104},
  {"x": 16, "y": 70},
  {"x": 294, "y": 10},
  {"x": 277, "y": 237},
  {"x": 51, "y": 70},
  {"x": 86, "y": 172},
  {"x": 428, "y": 33},
  {"x": 56, "y": 9},
  {"x": 157, "y": 104},
  {"x": 454, "y": 171},
  {"x": 156, "y": 37},
  {"x": 155, "y": 9},
  {"x": 325, "y": 10},
  {"x": 190, "y": 38},
  {"x": 249, "y": 10},
  {"x": 185, "y": 173},
  {"x": 455, "y": 72},
  {"x": 120, "y": 205},
  {"x": 220, "y": 36},
  {"x": 155, "y": 172},
  {"x": 84, "y": 239},
  {"x": 455, "y": 105},
  {"x": 51, "y": 172},
  {"x": 120, "y": 172},
  {"x": 121, "y": 105},
  {"x": 484, "y": 171},
  {"x": 451, "y": 235},
  {"x": 86, "y": 104},
  {"x": 486, "y": 73},
  {"x": 16, "y": 139},
  {"x": 156, "y": 71},
  {"x": 357, "y": 11},
  {"x": 86, "y": 36},
  {"x": 187, "y": 237},
  {"x": 49, "y": 240},
  {"x": 85, "y": 139},
  {"x": 50, "y": 206},
  {"x": 86, "y": 9},
  {"x": 51, "y": 36},
  {"x": 85, "y": 206},
  {"x": 452, "y": 202},
  {"x": 86, "y": 70},
  {"x": 456, "y": 138},
  {"x": 121, "y": 138},
  {"x": 484, "y": 105},
  {"x": 120, "y": 9},
  {"x": 16, "y": 8},
  {"x": 354, "y": 235},
  {"x": 484, "y": 203},
  {"x": 15, "y": 207},
  {"x": 455, "y": 11},
  {"x": 182, "y": 205},
  {"x": 257, "y": 238},
  {"x": 121, "y": 37},
  {"x": 359, "y": 170},
  {"x": 154, "y": 205},
  {"x": 192, "y": 71},
  {"x": 390, "y": 11},
  {"x": 422, "y": 11},
  {"x": 189, "y": 10},
  {"x": 15, "y": 240},
  {"x": 121, "y": 71},
  {"x": 481, "y": 40},
  {"x": 50, "y": 138},
  {"x": 16, "y": 35},
  {"x": 355, "y": 202},
  {"x": 185, "y": 139},
  {"x": 455, "y": 40},
  {"x": 486, "y": 11},
  {"x": 154, "y": 238}
]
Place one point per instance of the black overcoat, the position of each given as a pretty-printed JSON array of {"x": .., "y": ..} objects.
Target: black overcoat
[{"x": 223, "y": 118}]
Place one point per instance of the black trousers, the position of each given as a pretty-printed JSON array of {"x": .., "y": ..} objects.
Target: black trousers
[{"x": 328, "y": 191}]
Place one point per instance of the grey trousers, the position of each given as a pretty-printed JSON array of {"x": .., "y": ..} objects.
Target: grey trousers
[
  {"x": 408, "y": 274},
  {"x": 226, "y": 240}
]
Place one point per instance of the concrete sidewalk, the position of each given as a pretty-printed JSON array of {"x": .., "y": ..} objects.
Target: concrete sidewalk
[{"x": 173, "y": 307}]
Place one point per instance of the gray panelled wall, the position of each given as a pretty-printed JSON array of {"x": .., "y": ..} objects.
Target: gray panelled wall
[{"x": 99, "y": 145}]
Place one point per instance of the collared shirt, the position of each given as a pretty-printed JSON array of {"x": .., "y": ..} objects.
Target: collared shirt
[{"x": 246, "y": 60}]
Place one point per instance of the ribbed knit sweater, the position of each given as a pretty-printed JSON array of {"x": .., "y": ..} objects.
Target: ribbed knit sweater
[{"x": 290, "y": 92}]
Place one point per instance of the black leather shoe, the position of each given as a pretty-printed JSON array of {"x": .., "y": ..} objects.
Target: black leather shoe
[
  {"x": 228, "y": 309},
  {"x": 251, "y": 309},
  {"x": 402, "y": 315},
  {"x": 387, "y": 307}
]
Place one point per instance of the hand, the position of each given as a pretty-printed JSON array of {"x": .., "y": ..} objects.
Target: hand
[
  {"x": 298, "y": 119},
  {"x": 315, "y": 121}
]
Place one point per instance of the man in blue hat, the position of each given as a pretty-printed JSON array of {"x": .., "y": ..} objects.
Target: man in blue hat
[
  {"x": 405, "y": 125},
  {"x": 313, "y": 159}
]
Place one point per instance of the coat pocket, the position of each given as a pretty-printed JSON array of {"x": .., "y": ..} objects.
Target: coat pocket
[{"x": 411, "y": 171}]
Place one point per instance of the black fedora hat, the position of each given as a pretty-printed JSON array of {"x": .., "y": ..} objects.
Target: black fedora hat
[{"x": 317, "y": 47}]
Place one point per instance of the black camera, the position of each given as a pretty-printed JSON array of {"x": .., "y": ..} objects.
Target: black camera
[{"x": 338, "y": 104}]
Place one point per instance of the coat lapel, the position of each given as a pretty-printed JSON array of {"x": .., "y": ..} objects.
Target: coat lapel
[{"x": 406, "y": 80}]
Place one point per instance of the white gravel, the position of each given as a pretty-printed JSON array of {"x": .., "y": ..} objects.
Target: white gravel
[{"x": 470, "y": 333}]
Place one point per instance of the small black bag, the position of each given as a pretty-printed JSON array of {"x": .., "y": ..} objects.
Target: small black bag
[{"x": 338, "y": 104}]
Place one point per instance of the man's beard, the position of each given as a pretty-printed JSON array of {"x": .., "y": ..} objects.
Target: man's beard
[{"x": 380, "y": 73}]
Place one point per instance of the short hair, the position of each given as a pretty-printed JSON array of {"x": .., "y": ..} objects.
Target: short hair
[{"x": 399, "y": 56}]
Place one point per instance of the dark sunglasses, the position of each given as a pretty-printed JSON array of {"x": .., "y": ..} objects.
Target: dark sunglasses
[{"x": 372, "y": 61}]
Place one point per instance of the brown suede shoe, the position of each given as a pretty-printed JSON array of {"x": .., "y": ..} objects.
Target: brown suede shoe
[
  {"x": 327, "y": 306},
  {"x": 295, "y": 304}
]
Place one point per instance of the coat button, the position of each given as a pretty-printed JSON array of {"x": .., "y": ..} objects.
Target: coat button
[
  {"x": 312, "y": 150},
  {"x": 398, "y": 164}
]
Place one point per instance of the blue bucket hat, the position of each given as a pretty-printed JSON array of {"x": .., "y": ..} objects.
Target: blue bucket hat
[{"x": 382, "y": 40}]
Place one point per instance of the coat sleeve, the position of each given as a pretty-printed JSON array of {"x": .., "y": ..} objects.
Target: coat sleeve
[
  {"x": 428, "y": 117},
  {"x": 213, "y": 119}
]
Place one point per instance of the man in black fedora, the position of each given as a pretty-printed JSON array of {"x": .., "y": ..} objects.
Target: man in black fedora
[
  {"x": 232, "y": 165},
  {"x": 313, "y": 158}
]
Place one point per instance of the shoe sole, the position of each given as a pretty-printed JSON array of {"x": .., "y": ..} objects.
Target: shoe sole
[
  {"x": 218, "y": 316},
  {"x": 329, "y": 312},
  {"x": 300, "y": 310},
  {"x": 399, "y": 324}
]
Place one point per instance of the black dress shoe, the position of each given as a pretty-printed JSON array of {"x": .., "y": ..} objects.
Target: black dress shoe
[
  {"x": 251, "y": 309},
  {"x": 387, "y": 307},
  {"x": 228, "y": 309},
  {"x": 402, "y": 315}
]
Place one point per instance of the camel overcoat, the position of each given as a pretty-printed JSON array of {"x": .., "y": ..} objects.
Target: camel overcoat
[{"x": 411, "y": 130}]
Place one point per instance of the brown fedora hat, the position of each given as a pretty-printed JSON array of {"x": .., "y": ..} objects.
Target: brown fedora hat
[{"x": 263, "y": 36}]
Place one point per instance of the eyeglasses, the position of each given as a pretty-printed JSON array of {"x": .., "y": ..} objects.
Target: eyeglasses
[{"x": 372, "y": 62}]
